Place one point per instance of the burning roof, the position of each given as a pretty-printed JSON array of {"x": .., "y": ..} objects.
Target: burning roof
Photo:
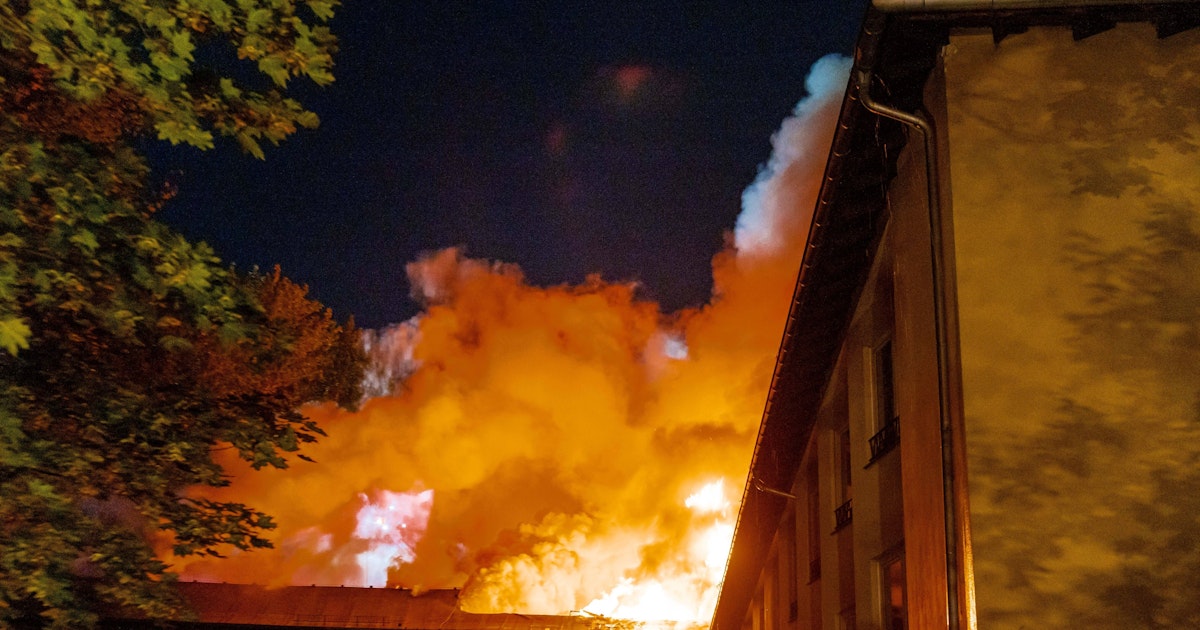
[{"x": 218, "y": 605}]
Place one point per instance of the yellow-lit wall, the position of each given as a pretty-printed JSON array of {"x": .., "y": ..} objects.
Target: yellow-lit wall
[{"x": 1075, "y": 182}]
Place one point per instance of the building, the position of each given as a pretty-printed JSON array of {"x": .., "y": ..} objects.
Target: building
[
  {"x": 985, "y": 410},
  {"x": 221, "y": 606}
]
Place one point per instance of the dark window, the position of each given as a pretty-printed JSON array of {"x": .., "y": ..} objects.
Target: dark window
[
  {"x": 846, "y": 618},
  {"x": 789, "y": 565},
  {"x": 814, "y": 527},
  {"x": 844, "y": 464},
  {"x": 843, "y": 513},
  {"x": 887, "y": 421}
]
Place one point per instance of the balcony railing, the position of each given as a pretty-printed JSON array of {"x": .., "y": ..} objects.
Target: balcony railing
[
  {"x": 842, "y": 515},
  {"x": 885, "y": 440}
]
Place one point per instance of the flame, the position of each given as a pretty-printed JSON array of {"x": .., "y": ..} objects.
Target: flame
[
  {"x": 392, "y": 524},
  {"x": 709, "y": 498},
  {"x": 688, "y": 592},
  {"x": 581, "y": 445}
]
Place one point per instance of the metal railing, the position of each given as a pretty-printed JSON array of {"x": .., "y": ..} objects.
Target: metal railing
[
  {"x": 843, "y": 515},
  {"x": 885, "y": 440}
]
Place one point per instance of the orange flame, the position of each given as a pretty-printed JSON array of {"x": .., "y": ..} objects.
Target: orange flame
[{"x": 551, "y": 449}]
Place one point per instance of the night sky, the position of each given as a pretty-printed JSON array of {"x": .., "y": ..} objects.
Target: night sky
[{"x": 571, "y": 138}]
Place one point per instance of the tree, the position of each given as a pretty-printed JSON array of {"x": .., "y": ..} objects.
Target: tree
[
  {"x": 130, "y": 65},
  {"x": 128, "y": 354}
]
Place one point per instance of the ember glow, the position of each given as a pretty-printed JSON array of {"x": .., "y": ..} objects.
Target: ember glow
[{"x": 558, "y": 449}]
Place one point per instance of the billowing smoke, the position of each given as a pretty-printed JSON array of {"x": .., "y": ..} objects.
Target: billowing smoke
[{"x": 553, "y": 449}]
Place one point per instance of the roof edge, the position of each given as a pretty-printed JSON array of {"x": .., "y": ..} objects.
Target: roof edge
[{"x": 931, "y": 6}]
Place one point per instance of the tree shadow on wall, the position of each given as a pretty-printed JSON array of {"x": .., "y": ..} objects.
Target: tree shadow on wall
[
  {"x": 1105, "y": 118},
  {"x": 1102, "y": 502}
]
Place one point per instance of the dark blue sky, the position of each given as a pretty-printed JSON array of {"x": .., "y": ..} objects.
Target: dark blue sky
[{"x": 568, "y": 138}]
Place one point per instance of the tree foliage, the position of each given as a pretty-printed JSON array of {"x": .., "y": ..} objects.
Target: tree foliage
[
  {"x": 127, "y": 353},
  {"x": 136, "y": 59}
]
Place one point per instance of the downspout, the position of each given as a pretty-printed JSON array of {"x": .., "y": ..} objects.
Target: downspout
[
  {"x": 863, "y": 74},
  {"x": 762, "y": 487}
]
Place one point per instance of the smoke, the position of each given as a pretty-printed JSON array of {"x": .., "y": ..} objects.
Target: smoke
[
  {"x": 552, "y": 449},
  {"x": 389, "y": 352},
  {"x": 770, "y": 224}
]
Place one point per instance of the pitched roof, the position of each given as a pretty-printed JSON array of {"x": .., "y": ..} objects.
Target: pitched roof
[{"x": 218, "y": 605}]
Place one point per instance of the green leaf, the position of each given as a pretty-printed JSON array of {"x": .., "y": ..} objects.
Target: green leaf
[
  {"x": 217, "y": 11},
  {"x": 229, "y": 90},
  {"x": 8, "y": 279},
  {"x": 272, "y": 66},
  {"x": 122, "y": 322},
  {"x": 160, "y": 18},
  {"x": 169, "y": 67},
  {"x": 45, "y": 53},
  {"x": 257, "y": 19},
  {"x": 85, "y": 240},
  {"x": 323, "y": 9},
  {"x": 181, "y": 43},
  {"x": 42, "y": 490},
  {"x": 250, "y": 145},
  {"x": 176, "y": 132},
  {"x": 14, "y": 334},
  {"x": 308, "y": 120},
  {"x": 13, "y": 452},
  {"x": 171, "y": 343},
  {"x": 148, "y": 245}
]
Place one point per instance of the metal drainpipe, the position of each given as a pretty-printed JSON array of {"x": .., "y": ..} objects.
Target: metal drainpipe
[{"x": 863, "y": 75}]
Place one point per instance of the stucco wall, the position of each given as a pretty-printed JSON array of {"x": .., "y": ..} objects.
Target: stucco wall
[{"x": 1075, "y": 182}]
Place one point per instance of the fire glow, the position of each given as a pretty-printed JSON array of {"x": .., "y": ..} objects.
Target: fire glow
[
  {"x": 688, "y": 593},
  {"x": 391, "y": 524},
  {"x": 550, "y": 450}
]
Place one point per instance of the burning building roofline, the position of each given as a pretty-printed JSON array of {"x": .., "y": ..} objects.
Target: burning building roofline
[{"x": 225, "y": 605}]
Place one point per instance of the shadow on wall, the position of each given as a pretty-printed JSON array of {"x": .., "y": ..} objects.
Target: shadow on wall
[{"x": 1080, "y": 309}]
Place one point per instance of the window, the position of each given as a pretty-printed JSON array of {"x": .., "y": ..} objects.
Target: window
[
  {"x": 770, "y": 586},
  {"x": 844, "y": 512},
  {"x": 885, "y": 390},
  {"x": 894, "y": 592},
  {"x": 814, "y": 524},
  {"x": 788, "y": 566},
  {"x": 846, "y": 618},
  {"x": 887, "y": 421}
]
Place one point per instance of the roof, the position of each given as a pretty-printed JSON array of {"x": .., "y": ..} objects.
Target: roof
[
  {"x": 900, "y": 49},
  {"x": 221, "y": 605}
]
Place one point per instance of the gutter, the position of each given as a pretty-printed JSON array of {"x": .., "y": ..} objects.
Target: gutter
[
  {"x": 930, "y": 6},
  {"x": 862, "y": 77}
]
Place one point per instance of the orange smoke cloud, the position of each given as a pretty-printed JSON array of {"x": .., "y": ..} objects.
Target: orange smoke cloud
[{"x": 551, "y": 449}]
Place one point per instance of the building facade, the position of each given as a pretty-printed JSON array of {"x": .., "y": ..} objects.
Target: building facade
[{"x": 986, "y": 407}]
